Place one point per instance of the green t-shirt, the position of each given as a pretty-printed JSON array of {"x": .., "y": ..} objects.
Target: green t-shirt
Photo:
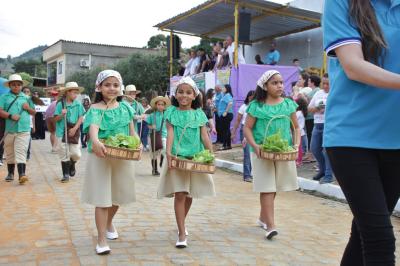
[
  {"x": 75, "y": 110},
  {"x": 138, "y": 107},
  {"x": 23, "y": 124},
  {"x": 158, "y": 117},
  {"x": 193, "y": 120},
  {"x": 113, "y": 122},
  {"x": 264, "y": 113}
]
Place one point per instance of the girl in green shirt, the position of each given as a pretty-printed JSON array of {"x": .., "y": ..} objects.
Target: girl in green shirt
[
  {"x": 270, "y": 177},
  {"x": 186, "y": 124},
  {"x": 109, "y": 182}
]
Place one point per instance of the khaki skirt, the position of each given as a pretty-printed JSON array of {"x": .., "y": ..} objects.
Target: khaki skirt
[
  {"x": 270, "y": 176},
  {"x": 108, "y": 182},
  {"x": 197, "y": 185}
]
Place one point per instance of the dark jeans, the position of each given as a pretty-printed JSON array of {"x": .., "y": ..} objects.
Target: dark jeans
[
  {"x": 226, "y": 129},
  {"x": 309, "y": 128},
  {"x": 370, "y": 180},
  {"x": 218, "y": 128},
  {"x": 145, "y": 134}
]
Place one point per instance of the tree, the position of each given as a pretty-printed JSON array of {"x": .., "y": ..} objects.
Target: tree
[
  {"x": 26, "y": 76},
  {"x": 206, "y": 44},
  {"x": 157, "y": 41},
  {"x": 31, "y": 66}
]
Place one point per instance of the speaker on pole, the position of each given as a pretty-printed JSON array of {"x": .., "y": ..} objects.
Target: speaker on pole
[
  {"x": 176, "y": 47},
  {"x": 244, "y": 26}
]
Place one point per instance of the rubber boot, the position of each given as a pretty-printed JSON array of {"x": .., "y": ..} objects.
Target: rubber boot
[
  {"x": 10, "y": 175},
  {"x": 161, "y": 160},
  {"x": 21, "y": 172},
  {"x": 65, "y": 170},
  {"x": 72, "y": 170},
  {"x": 154, "y": 164}
]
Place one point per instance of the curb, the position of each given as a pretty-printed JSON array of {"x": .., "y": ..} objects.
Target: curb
[{"x": 329, "y": 190}]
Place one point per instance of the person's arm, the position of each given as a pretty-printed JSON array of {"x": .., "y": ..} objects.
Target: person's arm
[
  {"x": 228, "y": 107},
  {"x": 27, "y": 108},
  {"x": 206, "y": 138},
  {"x": 297, "y": 131},
  {"x": 97, "y": 147},
  {"x": 132, "y": 131},
  {"x": 170, "y": 140},
  {"x": 236, "y": 125},
  {"x": 59, "y": 113},
  {"x": 358, "y": 69},
  {"x": 312, "y": 108},
  {"x": 248, "y": 133},
  {"x": 33, "y": 124}
]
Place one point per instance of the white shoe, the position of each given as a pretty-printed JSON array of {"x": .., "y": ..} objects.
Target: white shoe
[
  {"x": 270, "y": 234},
  {"x": 262, "y": 224},
  {"x": 1, "y": 162},
  {"x": 102, "y": 250},
  {"x": 181, "y": 244},
  {"x": 112, "y": 235},
  {"x": 186, "y": 233}
]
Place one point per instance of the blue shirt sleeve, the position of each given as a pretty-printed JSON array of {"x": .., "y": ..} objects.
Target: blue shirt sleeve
[{"x": 337, "y": 27}]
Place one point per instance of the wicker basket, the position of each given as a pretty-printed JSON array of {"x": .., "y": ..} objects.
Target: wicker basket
[
  {"x": 279, "y": 156},
  {"x": 123, "y": 153},
  {"x": 189, "y": 165}
]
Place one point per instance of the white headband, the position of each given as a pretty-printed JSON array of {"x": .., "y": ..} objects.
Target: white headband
[
  {"x": 189, "y": 81},
  {"x": 106, "y": 74},
  {"x": 265, "y": 77}
]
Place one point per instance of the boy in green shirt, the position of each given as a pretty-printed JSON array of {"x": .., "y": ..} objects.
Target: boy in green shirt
[
  {"x": 69, "y": 111},
  {"x": 16, "y": 108},
  {"x": 130, "y": 90}
]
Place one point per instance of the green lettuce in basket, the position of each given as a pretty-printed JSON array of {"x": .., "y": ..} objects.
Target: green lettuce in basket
[
  {"x": 275, "y": 143},
  {"x": 123, "y": 141},
  {"x": 205, "y": 156}
]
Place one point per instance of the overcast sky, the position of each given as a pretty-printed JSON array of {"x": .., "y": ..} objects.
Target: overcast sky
[{"x": 25, "y": 24}]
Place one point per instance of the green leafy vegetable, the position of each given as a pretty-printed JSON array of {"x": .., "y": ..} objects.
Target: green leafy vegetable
[
  {"x": 275, "y": 143},
  {"x": 123, "y": 141},
  {"x": 205, "y": 156}
]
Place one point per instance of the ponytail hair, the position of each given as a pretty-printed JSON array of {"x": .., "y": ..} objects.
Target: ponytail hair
[{"x": 362, "y": 15}]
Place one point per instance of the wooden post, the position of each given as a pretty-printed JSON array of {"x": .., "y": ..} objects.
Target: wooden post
[
  {"x": 235, "y": 60},
  {"x": 171, "y": 58}
]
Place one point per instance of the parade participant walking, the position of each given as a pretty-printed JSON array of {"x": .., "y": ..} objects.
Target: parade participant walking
[
  {"x": 270, "y": 177},
  {"x": 68, "y": 117},
  {"x": 16, "y": 108},
  {"x": 131, "y": 91},
  {"x": 225, "y": 112},
  {"x": 27, "y": 91},
  {"x": 362, "y": 126},
  {"x": 109, "y": 182},
  {"x": 158, "y": 136},
  {"x": 185, "y": 117}
]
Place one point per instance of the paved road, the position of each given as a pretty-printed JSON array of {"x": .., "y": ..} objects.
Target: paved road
[{"x": 44, "y": 223}]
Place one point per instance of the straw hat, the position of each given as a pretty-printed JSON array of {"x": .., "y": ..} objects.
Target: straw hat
[
  {"x": 132, "y": 88},
  {"x": 15, "y": 77},
  {"x": 160, "y": 98},
  {"x": 71, "y": 86}
]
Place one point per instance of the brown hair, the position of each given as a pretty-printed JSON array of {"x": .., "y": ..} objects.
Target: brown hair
[{"x": 373, "y": 42}]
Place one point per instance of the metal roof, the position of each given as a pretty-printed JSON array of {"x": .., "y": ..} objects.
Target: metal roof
[{"x": 215, "y": 19}]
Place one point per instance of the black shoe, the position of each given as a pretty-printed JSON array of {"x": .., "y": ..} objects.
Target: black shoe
[
  {"x": 65, "y": 170},
  {"x": 154, "y": 164},
  {"x": 10, "y": 175},
  {"x": 161, "y": 160},
  {"x": 72, "y": 170},
  {"x": 21, "y": 173},
  {"x": 318, "y": 176}
]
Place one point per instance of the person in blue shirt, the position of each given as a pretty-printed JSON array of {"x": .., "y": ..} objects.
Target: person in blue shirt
[
  {"x": 225, "y": 112},
  {"x": 272, "y": 58},
  {"x": 362, "y": 126},
  {"x": 217, "y": 99}
]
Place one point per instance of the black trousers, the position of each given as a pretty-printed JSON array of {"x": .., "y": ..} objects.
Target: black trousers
[
  {"x": 218, "y": 128},
  {"x": 226, "y": 129},
  {"x": 309, "y": 128},
  {"x": 370, "y": 180}
]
